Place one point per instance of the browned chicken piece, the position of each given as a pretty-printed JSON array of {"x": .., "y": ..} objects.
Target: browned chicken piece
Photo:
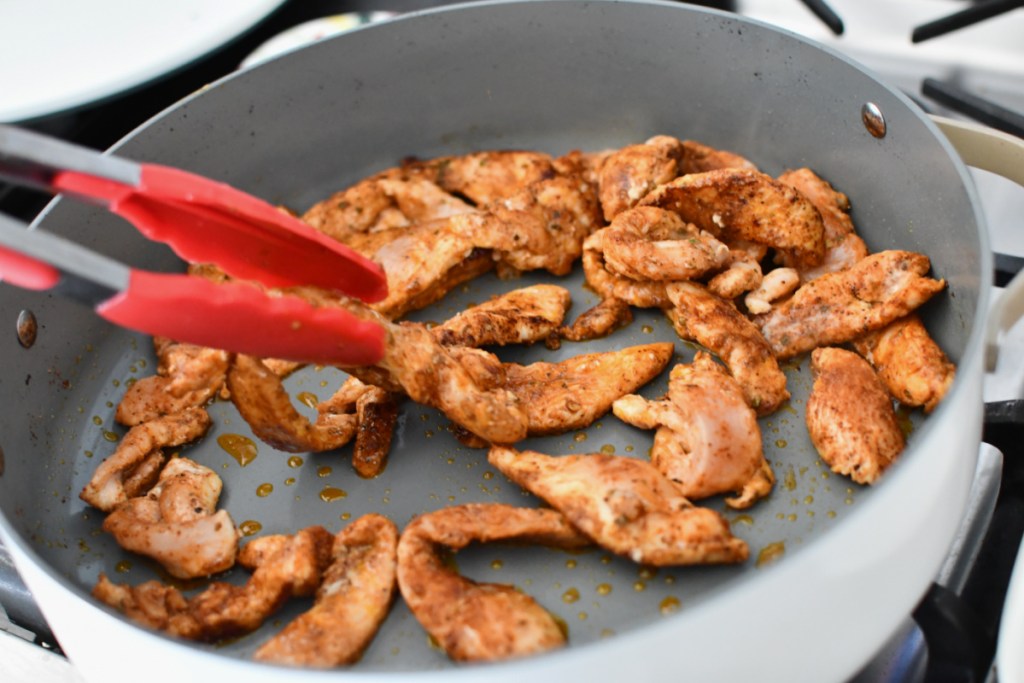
[
  {"x": 776, "y": 284},
  {"x": 843, "y": 247},
  {"x": 839, "y": 307},
  {"x": 522, "y": 316},
  {"x": 850, "y": 416},
  {"x": 742, "y": 275},
  {"x": 625, "y": 505},
  {"x": 629, "y": 174},
  {"x": 376, "y": 415},
  {"x": 263, "y": 403},
  {"x": 716, "y": 324},
  {"x": 708, "y": 441},
  {"x": 648, "y": 243},
  {"x": 187, "y": 376},
  {"x": 489, "y": 176},
  {"x": 698, "y": 158},
  {"x": 560, "y": 397},
  {"x": 282, "y": 368},
  {"x": 177, "y": 524},
  {"x": 748, "y": 205},
  {"x": 611, "y": 285},
  {"x": 909, "y": 362},
  {"x": 585, "y": 165},
  {"x": 135, "y": 464},
  {"x": 353, "y": 599},
  {"x": 541, "y": 226},
  {"x": 598, "y": 321},
  {"x": 377, "y": 209},
  {"x": 225, "y": 610},
  {"x": 479, "y": 621}
]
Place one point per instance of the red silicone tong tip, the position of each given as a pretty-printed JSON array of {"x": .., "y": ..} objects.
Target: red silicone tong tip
[
  {"x": 239, "y": 317},
  {"x": 209, "y": 222}
]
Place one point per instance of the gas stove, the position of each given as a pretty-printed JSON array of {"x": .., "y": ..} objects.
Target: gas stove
[{"x": 952, "y": 634}]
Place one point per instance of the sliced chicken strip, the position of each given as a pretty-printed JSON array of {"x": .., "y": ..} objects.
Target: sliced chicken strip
[
  {"x": 776, "y": 284},
  {"x": 708, "y": 441},
  {"x": 572, "y": 394},
  {"x": 716, "y": 324},
  {"x": 627, "y": 506},
  {"x": 176, "y": 523},
  {"x": 106, "y": 489},
  {"x": 850, "y": 416},
  {"x": 187, "y": 376},
  {"x": 225, "y": 610},
  {"x": 376, "y": 415},
  {"x": 698, "y": 158},
  {"x": 648, "y": 243},
  {"x": 522, "y": 316},
  {"x": 843, "y": 247},
  {"x": 489, "y": 176},
  {"x": 629, "y": 174},
  {"x": 263, "y": 403},
  {"x": 611, "y": 285},
  {"x": 353, "y": 599},
  {"x": 473, "y": 621},
  {"x": 742, "y": 204},
  {"x": 909, "y": 362},
  {"x": 598, "y": 321},
  {"x": 839, "y": 307}
]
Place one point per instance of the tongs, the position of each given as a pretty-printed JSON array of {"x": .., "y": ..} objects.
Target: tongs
[{"x": 203, "y": 221}]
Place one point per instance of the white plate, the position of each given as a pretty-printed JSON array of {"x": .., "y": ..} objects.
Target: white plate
[
  {"x": 58, "y": 55},
  {"x": 310, "y": 32}
]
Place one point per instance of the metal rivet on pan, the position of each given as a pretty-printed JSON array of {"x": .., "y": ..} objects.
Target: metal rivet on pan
[
  {"x": 873, "y": 120},
  {"x": 27, "y": 328}
]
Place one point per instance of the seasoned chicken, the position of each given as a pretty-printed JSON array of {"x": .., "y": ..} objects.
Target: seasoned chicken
[
  {"x": 742, "y": 204},
  {"x": 843, "y": 247},
  {"x": 187, "y": 376},
  {"x": 839, "y": 307},
  {"x": 611, "y": 285},
  {"x": 626, "y": 506},
  {"x": 177, "y": 524},
  {"x": 743, "y": 274},
  {"x": 850, "y": 416},
  {"x": 225, "y": 610},
  {"x": 698, "y": 158},
  {"x": 521, "y": 316},
  {"x": 263, "y": 402},
  {"x": 597, "y": 321},
  {"x": 135, "y": 464},
  {"x": 479, "y": 621},
  {"x": 708, "y": 441},
  {"x": 489, "y": 176},
  {"x": 648, "y": 243},
  {"x": 776, "y": 284},
  {"x": 716, "y": 324},
  {"x": 352, "y": 601},
  {"x": 629, "y": 174},
  {"x": 909, "y": 362},
  {"x": 376, "y": 416},
  {"x": 561, "y": 397}
]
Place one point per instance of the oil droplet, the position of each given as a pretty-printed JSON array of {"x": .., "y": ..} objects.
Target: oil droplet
[
  {"x": 116, "y": 382},
  {"x": 570, "y": 564},
  {"x": 669, "y": 579},
  {"x": 771, "y": 552},
  {"x": 781, "y": 443},
  {"x": 123, "y": 567},
  {"x": 451, "y": 461},
  {"x": 578, "y": 437},
  {"x": 628, "y": 449},
  {"x": 606, "y": 559},
  {"x": 831, "y": 514},
  {"x": 570, "y": 596},
  {"x": 488, "y": 475},
  {"x": 110, "y": 436},
  {"x": 647, "y": 329},
  {"x": 345, "y": 516},
  {"x": 639, "y": 586},
  {"x": 809, "y": 500},
  {"x": 250, "y": 527},
  {"x": 88, "y": 454},
  {"x": 289, "y": 481},
  {"x": 324, "y": 471},
  {"x": 743, "y": 519},
  {"x": 607, "y": 633},
  {"x": 97, "y": 420},
  {"x": 308, "y": 399},
  {"x": 582, "y": 616},
  {"x": 604, "y": 588},
  {"x": 295, "y": 461},
  {"x": 331, "y": 493},
  {"x": 241, "y": 448},
  {"x": 497, "y": 564},
  {"x": 669, "y": 604},
  {"x": 264, "y": 490},
  {"x": 792, "y": 517},
  {"x": 608, "y": 449},
  {"x": 790, "y": 479},
  {"x": 82, "y": 545},
  {"x": 647, "y": 573}
]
